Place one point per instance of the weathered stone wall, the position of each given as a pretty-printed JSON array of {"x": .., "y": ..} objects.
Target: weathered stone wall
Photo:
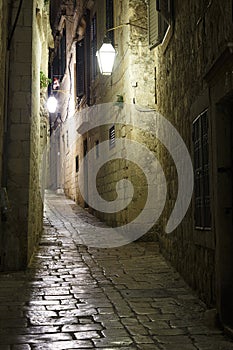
[
  {"x": 24, "y": 221},
  {"x": 201, "y": 31},
  {"x": 39, "y": 117},
  {"x": 63, "y": 151},
  {"x": 3, "y": 44},
  {"x": 18, "y": 139},
  {"x": 133, "y": 79},
  {"x": 170, "y": 79}
]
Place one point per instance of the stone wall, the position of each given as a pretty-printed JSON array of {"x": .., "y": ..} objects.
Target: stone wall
[
  {"x": 3, "y": 44},
  {"x": 201, "y": 31},
  {"x": 169, "y": 79},
  {"x": 133, "y": 80},
  {"x": 41, "y": 37},
  {"x": 22, "y": 165}
]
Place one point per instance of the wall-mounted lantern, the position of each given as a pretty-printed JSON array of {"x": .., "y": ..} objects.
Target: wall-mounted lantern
[
  {"x": 106, "y": 54},
  {"x": 52, "y": 104},
  {"x": 106, "y": 57}
]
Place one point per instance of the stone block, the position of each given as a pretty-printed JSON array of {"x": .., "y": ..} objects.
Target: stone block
[
  {"x": 23, "y": 52},
  {"x": 20, "y": 132},
  {"x": 21, "y": 100}
]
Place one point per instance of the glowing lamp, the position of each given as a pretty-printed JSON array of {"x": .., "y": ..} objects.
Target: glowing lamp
[
  {"x": 52, "y": 104},
  {"x": 106, "y": 57}
]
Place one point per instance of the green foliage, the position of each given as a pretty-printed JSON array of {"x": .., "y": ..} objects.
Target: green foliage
[{"x": 44, "y": 80}]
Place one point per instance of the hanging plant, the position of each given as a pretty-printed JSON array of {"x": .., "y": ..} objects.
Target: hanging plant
[{"x": 44, "y": 80}]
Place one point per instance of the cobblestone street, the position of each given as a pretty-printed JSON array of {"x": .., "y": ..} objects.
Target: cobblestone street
[{"x": 75, "y": 297}]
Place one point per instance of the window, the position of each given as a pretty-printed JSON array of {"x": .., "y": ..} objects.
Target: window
[
  {"x": 112, "y": 137},
  {"x": 110, "y": 19},
  {"x": 80, "y": 68},
  {"x": 93, "y": 47},
  {"x": 62, "y": 52},
  {"x": 67, "y": 139},
  {"x": 83, "y": 63},
  {"x": 159, "y": 20},
  {"x": 97, "y": 154},
  {"x": 77, "y": 164},
  {"x": 59, "y": 61},
  {"x": 202, "y": 215}
]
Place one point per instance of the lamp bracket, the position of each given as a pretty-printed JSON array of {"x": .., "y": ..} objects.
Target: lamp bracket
[{"x": 125, "y": 24}]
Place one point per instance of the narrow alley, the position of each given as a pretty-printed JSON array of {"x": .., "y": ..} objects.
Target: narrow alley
[{"x": 75, "y": 297}]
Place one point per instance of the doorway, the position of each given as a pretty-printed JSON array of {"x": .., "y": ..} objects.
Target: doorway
[{"x": 224, "y": 216}]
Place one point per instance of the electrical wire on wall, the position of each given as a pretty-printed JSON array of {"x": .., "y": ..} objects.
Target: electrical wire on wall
[
  {"x": 6, "y": 99},
  {"x": 14, "y": 25}
]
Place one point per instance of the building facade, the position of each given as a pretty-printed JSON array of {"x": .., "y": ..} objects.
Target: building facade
[
  {"x": 25, "y": 36},
  {"x": 173, "y": 58}
]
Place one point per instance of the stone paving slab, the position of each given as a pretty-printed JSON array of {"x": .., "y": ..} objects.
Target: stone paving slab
[{"x": 76, "y": 297}]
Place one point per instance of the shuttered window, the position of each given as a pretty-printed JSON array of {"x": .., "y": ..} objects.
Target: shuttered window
[
  {"x": 56, "y": 67},
  {"x": 87, "y": 57},
  {"x": 80, "y": 68},
  {"x": 83, "y": 48},
  {"x": 62, "y": 50},
  {"x": 110, "y": 19},
  {"x": 93, "y": 47},
  {"x": 159, "y": 19},
  {"x": 59, "y": 61},
  {"x": 202, "y": 213}
]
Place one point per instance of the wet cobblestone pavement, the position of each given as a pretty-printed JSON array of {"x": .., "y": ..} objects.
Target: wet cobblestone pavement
[{"x": 75, "y": 297}]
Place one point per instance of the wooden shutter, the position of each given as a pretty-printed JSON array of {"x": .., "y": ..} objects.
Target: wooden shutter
[
  {"x": 56, "y": 65},
  {"x": 206, "y": 187},
  {"x": 197, "y": 173},
  {"x": 87, "y": 57},
  {"x": 156, "y": 24},
  {"x": 93, "y": 47},
  {"x": 63, "y": 53},
  {"x": 80, "y": 68},
  {"x": 110, "y": 19},
  {"x": 202, "y": 214}
]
